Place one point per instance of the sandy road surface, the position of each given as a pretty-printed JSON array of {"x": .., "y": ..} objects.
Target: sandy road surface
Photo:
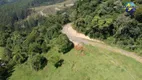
[{"x": 78, "y": 38}]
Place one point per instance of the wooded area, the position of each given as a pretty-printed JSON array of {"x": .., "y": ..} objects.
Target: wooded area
[
  {"x": 107, "y": 20},
  {"x": 29, "y": 39}
]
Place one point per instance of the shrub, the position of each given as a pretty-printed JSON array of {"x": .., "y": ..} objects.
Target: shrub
[
  {"x": 38, "y": 62},
  {"x": 63, "y": 43}
]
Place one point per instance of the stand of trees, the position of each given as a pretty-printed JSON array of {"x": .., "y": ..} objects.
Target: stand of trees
[
  {"x": 106, "y": 20},
  {"x": 30, "y": 38},
  {"x": 22, "y": 44}
]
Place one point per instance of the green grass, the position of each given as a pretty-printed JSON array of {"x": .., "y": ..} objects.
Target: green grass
[
  {"x": 1, "y": 51},
  {"x": 93, "y": 64}
]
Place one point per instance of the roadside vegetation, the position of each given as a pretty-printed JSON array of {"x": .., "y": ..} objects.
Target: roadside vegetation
[{"x": 108, "y": 21}]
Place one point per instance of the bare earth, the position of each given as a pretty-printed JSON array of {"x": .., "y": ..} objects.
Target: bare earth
[
  {"x": 79, "y": 38},
  {"x": 52, "y": 9}
]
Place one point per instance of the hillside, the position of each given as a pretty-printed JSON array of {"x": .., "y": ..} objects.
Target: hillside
[
  {"x": 16, "y": 10},
  {"x": 79, "y": 38},
  {"x": 28, "y": 39},
  {"x": 38, "y": 41},
  {"x": 92, "y": 63},
  {"x": 53, "y": 9},
  {"x": 107, "y": 20}
]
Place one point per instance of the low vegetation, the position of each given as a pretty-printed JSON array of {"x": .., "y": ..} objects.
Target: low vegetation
[{"x": 1, "y": 52}]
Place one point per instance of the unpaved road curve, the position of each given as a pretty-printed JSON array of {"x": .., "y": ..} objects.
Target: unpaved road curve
[{"x": 78, "y": 38}]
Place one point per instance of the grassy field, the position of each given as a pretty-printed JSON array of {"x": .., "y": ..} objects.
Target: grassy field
[
  {"x": 91, "y": 64},
  {"x": 1, "y": 51}
]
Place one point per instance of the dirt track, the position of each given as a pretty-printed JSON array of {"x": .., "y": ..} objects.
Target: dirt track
[{"x": 79, "y": 38}]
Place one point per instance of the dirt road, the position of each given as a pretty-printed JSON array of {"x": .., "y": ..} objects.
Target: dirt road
[{"x": 79, "y": 38}]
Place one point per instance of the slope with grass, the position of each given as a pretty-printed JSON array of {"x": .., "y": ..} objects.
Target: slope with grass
[{"x": 92, "y": 63}]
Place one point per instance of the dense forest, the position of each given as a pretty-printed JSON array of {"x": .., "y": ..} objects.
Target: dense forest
[
  {"x": 108, "y": 21},
  {"x": 24, "y": 39},
  {"x": 16, "y": 10}
]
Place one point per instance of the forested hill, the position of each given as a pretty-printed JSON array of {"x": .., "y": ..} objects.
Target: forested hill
[
  {"x": 6, "y": 1},
  {"x": 24, "y": 40},
  {"x": 107, "y": 20},
  {"x": 15, "y": 10}
]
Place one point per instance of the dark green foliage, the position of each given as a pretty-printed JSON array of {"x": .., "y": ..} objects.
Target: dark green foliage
[
  {"x": 23, "y": 38},
  {"x": 6, "y": 69},
  {"x": 32, "y": 36},
  {"x": 106, "y": 19},
  {"x": 38, "y": 62},
  {"x": 138, "y": 14},
  {"x": 4, "y": 33},
  {"x": 63, "y": 43},
  {"x": 59, "y": 63},
  {"x": 18, "y": 55},
  {"x": 18, "y": 9},
  {"x": 20, "y": 43},
  {"x": 35, "y": 47},
  {"x": 7, "y": 55}
]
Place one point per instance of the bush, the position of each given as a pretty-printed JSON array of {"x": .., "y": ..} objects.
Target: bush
[
  {"x": 63, "y": 43},
  {"x": 38, "y": 62}
]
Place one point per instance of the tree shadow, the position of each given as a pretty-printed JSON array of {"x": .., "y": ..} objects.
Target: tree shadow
[
  {"x": 6, "y": 73},
  {"x": 59, "y": 63},
  {"x": 69, "y": 48},
  {"x": 44, "y": 63}
]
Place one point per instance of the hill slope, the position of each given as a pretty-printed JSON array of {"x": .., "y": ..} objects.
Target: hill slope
[
  {"x": 92, "y": 63},
  {"x": 107, "y": 20},
  {"x": 37, "y": 50},
  {"x": 17, "y": 10}
]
